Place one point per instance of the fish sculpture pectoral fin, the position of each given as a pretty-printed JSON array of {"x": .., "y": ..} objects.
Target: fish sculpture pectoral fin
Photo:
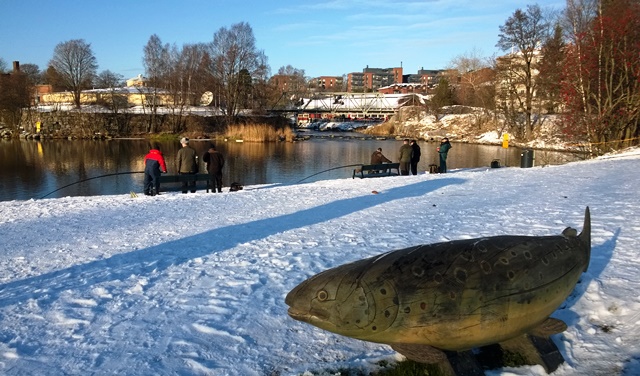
[
  {"x": 420, "y": 353},
  {"x": 549, "y": 327}
]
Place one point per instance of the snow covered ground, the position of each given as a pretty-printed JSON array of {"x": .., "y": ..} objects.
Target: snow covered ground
[{"x": 195, "y": 284}]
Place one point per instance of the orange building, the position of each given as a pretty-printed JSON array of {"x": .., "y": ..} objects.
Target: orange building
[
  {"x": 371, "y": 79},
  {"x": 329, "y": 83}
]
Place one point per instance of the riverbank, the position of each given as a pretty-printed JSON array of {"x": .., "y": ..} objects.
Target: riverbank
[
  {"x": 475, "y": 126},
  {"x": 95, "y": 122},
  {"x": 458, "y": 123}
]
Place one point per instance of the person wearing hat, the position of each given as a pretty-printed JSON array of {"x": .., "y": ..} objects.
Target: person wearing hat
[
  {"x": 154, "y": 165},
  {"x": 443, "y": 149},
  {"x": 187, "y": 164},
  {"x": 214, "y": 162}
]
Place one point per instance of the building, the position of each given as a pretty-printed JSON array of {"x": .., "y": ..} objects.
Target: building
[
  {"x": 287, "y": 83},
  {"x": 40, "y": 91},
  {"x": 511, "y": 82},
  {"x": 371, "y": 79},
  {"x": 138, "y": 81},
  {"x": 125, "y": 96},
  {"x": 328, "y": 83},
  {"x": 428, "y": 77}
]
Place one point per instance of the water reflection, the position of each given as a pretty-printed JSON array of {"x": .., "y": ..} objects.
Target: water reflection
[{"x": 32, "y": 169}]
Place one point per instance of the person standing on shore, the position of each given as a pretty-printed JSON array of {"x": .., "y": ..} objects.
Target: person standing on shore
[
  {"x": 405, "y": 157},
  {"x": 214, "y": 161},
  {"x": 154, "y": 165},
  {"x": 187, "y": 164},
  {"x": 415, "y": 157},
  {"x": 443, "y": 149}
]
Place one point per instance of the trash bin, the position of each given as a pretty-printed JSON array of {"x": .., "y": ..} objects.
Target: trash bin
[{"x": 526, "y": 158}]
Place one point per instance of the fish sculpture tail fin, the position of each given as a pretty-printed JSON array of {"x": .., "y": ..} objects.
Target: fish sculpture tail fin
[{"x": 585, "y": 235}]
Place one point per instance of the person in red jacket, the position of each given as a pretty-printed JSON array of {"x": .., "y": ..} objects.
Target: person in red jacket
[{"x": 154, "y": 165}]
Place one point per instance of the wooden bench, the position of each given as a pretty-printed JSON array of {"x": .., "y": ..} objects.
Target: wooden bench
[
  {"x": 377, "y": 170},
  {"x": 172, "y": 179}
]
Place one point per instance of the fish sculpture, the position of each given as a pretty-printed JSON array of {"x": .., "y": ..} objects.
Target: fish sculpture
[{"x": 451, "y": 296}]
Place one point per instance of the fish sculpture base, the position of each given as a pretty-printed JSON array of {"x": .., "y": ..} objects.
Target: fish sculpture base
[
  {"x": 536, "y": 348},
  {"x": 519, "y": 351}
]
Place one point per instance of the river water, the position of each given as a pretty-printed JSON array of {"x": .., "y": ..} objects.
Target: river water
[{"x": 32, "y": 169}]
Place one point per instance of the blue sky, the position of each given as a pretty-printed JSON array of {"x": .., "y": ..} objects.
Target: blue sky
[{"x": 333, "y": 37}]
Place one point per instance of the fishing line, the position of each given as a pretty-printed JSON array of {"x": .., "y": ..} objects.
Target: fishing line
[
  {"x": 142, "y": 172},
  {"x": 95, "y": 177},
  {"x": 334, "y": 168}
]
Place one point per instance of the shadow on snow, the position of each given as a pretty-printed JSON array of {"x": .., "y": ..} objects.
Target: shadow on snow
[{"x": 150, "y": 261}]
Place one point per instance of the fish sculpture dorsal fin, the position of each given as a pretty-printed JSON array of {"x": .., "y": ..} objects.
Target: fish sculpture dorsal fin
[
  {"x": 549, "y": 327},
  {"x": 420, "y": 353}
]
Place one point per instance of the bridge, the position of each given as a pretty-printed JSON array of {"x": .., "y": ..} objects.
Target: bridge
[{"x": 349, "y": 106}]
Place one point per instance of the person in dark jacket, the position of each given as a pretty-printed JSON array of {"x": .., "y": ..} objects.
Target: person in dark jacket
[
  {"x": 443, "y": 149},
  {"x": 154, "y": 165},
  {"x": 415, "y": 157},
  {"x": 377, "y": 157},
  {"x": 214, "y": 161},
  {"x": 405, "y": 157},
  {"x": 187, "y": 164}
]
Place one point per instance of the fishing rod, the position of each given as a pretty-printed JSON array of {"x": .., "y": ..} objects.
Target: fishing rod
[
  {"x": 142, "y": 172},
  {"x": 95, "y": 177},
  {"x": 334, "y": 168}
]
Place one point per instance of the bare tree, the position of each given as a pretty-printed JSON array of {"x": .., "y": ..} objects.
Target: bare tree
[
  {"x": 33, "y": 73},
  {"x": 297, "y": 83},
  {"x": 112, "y": 83},
  {"x": 108, "y": 79},
  {"x": 193, "y": 61},
  {"x": 76, "y": 66},
  {"x": 156, "y": 65},
  {"x": 522, "y": 34},
  {"x": 261, "y": 84},
  {"x": 185, "y": 78},
  {"x": 287, "y": 86},
  {"x": 3, "y": 66},
  {"x": 476, "y": 86},
  {"x": 176, "y": 82},
  {"x": 232, "y": 51},
  {"x": 551, "y": 68}
]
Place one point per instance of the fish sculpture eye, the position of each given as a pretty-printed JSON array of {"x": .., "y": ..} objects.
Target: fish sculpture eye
[{"x": 322, "y": 295}]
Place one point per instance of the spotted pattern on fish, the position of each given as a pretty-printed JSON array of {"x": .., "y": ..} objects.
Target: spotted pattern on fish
[{"x": 452, "y": 296}]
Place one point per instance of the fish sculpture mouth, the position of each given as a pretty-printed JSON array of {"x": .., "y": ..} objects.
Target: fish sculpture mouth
[
  {"x": 297, "y": 315},
  {"x": 314, "y": 315}
]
